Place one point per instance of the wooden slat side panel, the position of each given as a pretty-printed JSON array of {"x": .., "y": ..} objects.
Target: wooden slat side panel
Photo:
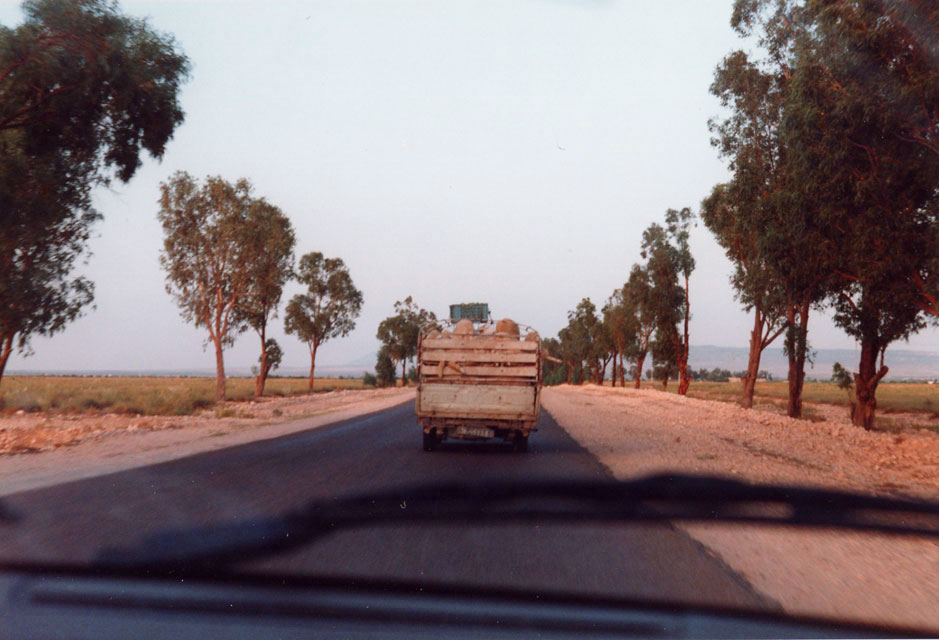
[
  {"x": 476, "y": 380},
  {"x": 469, "y": 370},
  {"x": 458, "y": 400},
  {"x": 462, "y": 355},
  {"x": 478, "y": 342}
]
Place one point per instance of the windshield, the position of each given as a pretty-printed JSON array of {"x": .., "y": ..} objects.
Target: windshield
[{"x": 258, "y": 259}]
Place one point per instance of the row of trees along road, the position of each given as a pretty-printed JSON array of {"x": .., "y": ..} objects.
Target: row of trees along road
[
  {"x": 84, "y": 90},
  {"x": 832, "y": 137},
  {"x": 649, "y": 313},
  {"x": 228, "y": 255}
]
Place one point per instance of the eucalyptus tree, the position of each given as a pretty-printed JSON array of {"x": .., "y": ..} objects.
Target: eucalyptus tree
[
  {"x": 856, "y": 216},
  {"x": 863, "y": 128},
  {"x": 639, "y": 298},
  {"x": 757, "y": 286},
  {"x": 664, "y": 357},
  {"x": 399, "y": 333},
  {"x": 384, "y": 368},
  {"x": 763, "y": 215},
  {"x": 579, "y": 340},
  {"x": 209, "y": 247},
  {"x": 670, "y": 263},
  {"x": 273, "y": 240},
  {"x": 620, "y": 319},
  {"x": 85, "y": 90},
  {"x": 327, "y": 309},
  {"x": 79, "y": 78},
  {"x": 604, "y": 349},
  {"x": 739, "y": 212},
  {"x": 37, "y": 253},
  {"x": 568, "y": 353},
  {"x": 270, "y": 358},
  {"x": 860, "y": 133}
]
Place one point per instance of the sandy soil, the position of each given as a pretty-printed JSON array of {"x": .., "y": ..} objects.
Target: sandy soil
[
  {"x": 38, "y": 451},
  {"x": 892, "y": 580}
]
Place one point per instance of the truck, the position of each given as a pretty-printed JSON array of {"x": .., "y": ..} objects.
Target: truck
[{"x": 479, "y": 381}]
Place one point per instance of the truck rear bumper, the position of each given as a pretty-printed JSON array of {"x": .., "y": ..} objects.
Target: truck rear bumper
[{"x": 474, "y": 429}]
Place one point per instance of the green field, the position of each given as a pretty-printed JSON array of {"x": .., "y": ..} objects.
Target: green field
[{"x": 145, "y": 396}]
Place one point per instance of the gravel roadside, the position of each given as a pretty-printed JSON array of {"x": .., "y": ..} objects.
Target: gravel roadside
[{"x": 878, "y": 579}]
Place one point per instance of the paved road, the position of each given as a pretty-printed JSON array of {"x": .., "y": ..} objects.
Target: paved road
[{"x": 77, "y": 520}]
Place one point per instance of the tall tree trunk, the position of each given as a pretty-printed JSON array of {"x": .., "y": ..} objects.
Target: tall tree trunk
[
  {"x": 639, "y": 361},
  {"x": 219, "y": 370},
  {"x": 753, "y": 363},
  {"x": 404, "y": 373},
  {"x": 681, "y": 361},
  {"x": 613, "y": 371},
  {"x": 580, "y": 374},
  {"x": 313, "y": 348},
  {"x": 865, "y": 384},
  {"x": 262, "y": 372},
  {"x": 570, "y": 373},
  {"x": 622, "y": 372},
  {"x": 797, "y": 356},
  {"x": 684, "y": 380},
  {"x": 5, "y": 353},
  {"x": 665, "y": 382}
]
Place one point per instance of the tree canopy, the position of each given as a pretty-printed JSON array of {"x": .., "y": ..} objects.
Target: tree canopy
[
  {"x": 582, "y": 341},
  {"x": 273, "y": 243},
  {"x": 670, "y": 263},
  {"x": 209, "y": 249},
  {"x": 329, "y": 306},
  {"x": 85, "y": 90},
  {"x": 399, "y": 333},
  {"x": 619, "y": 316},
  {"x": 856, "y": 212},
  {"x": 640, "y": 297},
  {"x": 740, "y": 212},
  {"x": 81, "y": 79}
]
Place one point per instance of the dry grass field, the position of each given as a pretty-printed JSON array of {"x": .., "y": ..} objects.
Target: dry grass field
[
  {"x": 140, "y": 395},
  {"x": 918, "y": 403}
]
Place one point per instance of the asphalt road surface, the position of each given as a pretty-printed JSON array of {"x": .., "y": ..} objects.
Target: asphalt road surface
[{"x": 79, "y": 521}]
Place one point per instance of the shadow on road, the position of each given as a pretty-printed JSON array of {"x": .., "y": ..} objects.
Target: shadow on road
[{"x": 485, "y": 448}]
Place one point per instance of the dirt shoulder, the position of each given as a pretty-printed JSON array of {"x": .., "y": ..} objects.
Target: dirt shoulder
[
  {"x": 882, "y": 579},
  {"x": 43, "y": 450}
]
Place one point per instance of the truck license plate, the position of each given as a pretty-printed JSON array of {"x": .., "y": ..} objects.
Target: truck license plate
[{"x": 475, "y": 432}]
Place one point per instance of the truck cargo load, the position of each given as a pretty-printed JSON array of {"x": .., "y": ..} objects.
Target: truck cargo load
[{"x": 478, "y": 382}]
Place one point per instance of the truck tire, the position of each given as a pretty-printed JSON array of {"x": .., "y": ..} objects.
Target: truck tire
[
  {"x": 520, "y": 444},
  {"x": 430, "y": 440}
]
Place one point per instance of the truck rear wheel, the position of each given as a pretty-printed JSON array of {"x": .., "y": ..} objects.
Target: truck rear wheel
[
  {"x": 520, "y": 444},
  {"x": 430, "y": 440}
]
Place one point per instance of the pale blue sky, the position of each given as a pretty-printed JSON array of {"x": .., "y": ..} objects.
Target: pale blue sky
[{"x": 510, "y": 152}]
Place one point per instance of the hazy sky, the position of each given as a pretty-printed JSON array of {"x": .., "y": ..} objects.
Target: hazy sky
[{"x": 508, "y": 152}]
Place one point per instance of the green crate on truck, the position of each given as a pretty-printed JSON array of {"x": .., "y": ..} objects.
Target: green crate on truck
[{"x": 475, "y": 311}]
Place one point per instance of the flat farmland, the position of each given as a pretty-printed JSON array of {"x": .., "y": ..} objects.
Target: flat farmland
[
  {"x": 899, "y": 404},
  {"x": 149, "y": 396}
]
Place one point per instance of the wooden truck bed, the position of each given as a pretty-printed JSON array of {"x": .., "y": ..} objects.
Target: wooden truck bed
[{"x": 478, "y": 387}]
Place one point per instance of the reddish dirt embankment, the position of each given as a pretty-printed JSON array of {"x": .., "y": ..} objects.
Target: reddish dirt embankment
[{"x": 879, "y": 579}]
